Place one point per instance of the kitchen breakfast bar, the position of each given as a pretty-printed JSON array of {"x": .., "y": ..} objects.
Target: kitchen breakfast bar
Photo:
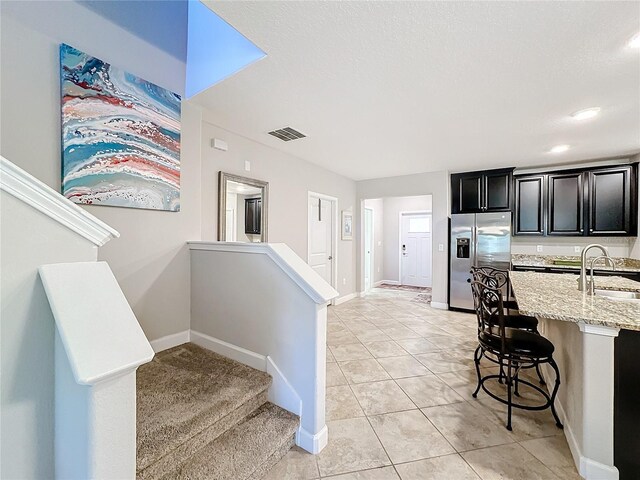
[{"x": 597, "y": 341}]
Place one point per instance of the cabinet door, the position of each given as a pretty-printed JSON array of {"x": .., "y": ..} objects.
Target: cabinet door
[
  {"x": 610, "y": 201},
  {"x": 497, "y": 188},
  {"x": 252, "y": 216},
  {"x": 528, "y": 218},
  {"x": 467, "y": 193},
  {"x": 565, "y": 206}
]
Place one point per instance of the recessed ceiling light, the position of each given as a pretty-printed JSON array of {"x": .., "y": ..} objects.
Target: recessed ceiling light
[
  {"x": 635, "y": 41},
  {"x": 560, "y": 148},
  {"x": 586, "y": 113}
]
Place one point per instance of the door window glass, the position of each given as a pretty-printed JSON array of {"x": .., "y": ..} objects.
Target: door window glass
[{"x": 419, "y": 225}]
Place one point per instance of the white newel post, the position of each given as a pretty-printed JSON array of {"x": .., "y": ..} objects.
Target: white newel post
[
  {"x": 598, "y": 401},
  {"x": 98, "y": 347}
]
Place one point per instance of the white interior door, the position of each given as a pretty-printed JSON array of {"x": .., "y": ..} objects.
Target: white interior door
[
  {"x": 368, "y": 248},
  {"x": 416, "y": 250},
  {"x": 321, "y": 225}
]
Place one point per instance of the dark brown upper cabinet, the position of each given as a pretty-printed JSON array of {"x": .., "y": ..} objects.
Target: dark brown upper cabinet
[
  {"x": 611, "y": 210},
  {"x": 252, "y": 216},
  {"x": 566, "y": 204},
  {"x": 530, "y": 203},
  {"x": 594, "y": 202},
  {"x": 486, "y": 191}
]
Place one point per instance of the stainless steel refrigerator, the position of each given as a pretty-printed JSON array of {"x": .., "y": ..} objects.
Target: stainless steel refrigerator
[{"x": 477, "y": 239}]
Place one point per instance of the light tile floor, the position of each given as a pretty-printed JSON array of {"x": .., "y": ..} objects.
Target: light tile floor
[{"x": 399, "y": 381}]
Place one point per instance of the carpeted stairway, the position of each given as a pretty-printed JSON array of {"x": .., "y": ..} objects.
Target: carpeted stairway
[{"x": 204, "y": 416}]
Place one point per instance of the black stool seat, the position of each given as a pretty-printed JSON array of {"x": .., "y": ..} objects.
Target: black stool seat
[{"x": 519, "y": 343}]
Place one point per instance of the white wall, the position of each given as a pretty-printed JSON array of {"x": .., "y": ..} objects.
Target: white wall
[
  {"x": 434, "y": 184},
  {"x": 150, "y": 259},
  {"x": 290, "y": 179},
  {"x": 617, "y": 246},
  {"x": 392, "y": 208},
  {"x": 377, "y": 205},
  {"x": 29, "y": 239}
]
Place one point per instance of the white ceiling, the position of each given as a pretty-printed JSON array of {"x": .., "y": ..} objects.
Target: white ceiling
[{"x": 393, "y": 88}]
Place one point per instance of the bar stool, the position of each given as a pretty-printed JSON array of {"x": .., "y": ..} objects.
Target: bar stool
[
  {"x": 500, "y": 279},
  {"x": 513, "y": 349}
]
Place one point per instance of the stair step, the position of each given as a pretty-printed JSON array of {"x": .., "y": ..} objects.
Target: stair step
[
  {"x": 187, "y": 397},
  {"x": 246, "y": 451}
]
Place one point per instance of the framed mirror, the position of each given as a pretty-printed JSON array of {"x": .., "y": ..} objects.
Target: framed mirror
[{"x": 243, "y": 208}]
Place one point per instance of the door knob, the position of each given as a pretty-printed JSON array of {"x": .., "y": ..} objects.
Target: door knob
[{"x": 330, "y": 257}]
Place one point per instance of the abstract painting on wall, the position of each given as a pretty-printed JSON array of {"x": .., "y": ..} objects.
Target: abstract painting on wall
[{"x": 120, "y": 136}]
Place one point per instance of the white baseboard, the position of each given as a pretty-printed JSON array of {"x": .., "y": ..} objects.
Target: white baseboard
[
  {"x": 440, "y": 305},
  {"x": 282, "y": 392},
  {"x": 587, "y": 468},
  {"x": 345, "y": 298},
  {"x": 379, "y": 282},
  {"x": 239, "y": 354},
  {"x": 312, "y": 443},
  {"x": 389, "y": 282},
  {"x": 170, "y": 341}
]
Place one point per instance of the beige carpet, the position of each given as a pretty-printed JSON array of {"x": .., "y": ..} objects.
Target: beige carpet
[{"x": 198, "y": 411}]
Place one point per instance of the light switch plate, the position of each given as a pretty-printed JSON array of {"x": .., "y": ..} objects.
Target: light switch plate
[
  {"x": 441, "y": 247},
  {"x": 539, "y": 248}
]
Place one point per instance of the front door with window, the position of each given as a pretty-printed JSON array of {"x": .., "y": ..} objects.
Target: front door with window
[{"x": 416, "y": 250}]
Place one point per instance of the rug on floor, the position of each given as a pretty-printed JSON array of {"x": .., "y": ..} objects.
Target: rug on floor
[
  {"x": 422, "y": 298},
  {"x": 406, "y": 288}
]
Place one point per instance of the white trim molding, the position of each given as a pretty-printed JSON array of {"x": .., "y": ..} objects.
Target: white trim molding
[
  {"x": 285, "y": 258},
  {"x": 599, "y": 329},
  {"x": 346, "y": 298},
  {"x": 440, "y": 305},
  {"x": 170, "y": 341},
  {"x": 312, "y": 443},
  {"x": 33, "y": 192},
  {"x": 229, "y": 350}
]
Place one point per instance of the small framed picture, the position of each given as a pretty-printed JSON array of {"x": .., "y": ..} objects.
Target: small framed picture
[{"x": 347, "y": 225}]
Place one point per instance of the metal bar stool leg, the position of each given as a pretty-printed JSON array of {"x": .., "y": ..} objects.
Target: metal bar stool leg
[
  {"x": 477, "y": 355},
  {"x": 509, "y": 399},
  {"x": 542, "y": 382},
  {"x": 553, "y": 364}
]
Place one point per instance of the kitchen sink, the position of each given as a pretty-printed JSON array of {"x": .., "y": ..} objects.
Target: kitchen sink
[{"x": 621, "y": 295}]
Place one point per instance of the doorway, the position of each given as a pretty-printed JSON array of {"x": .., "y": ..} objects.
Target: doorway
[
  {"x": 322, "y": 232},
  {"x": 368, "y": 249},
  {"x": 415, "y": 249}
]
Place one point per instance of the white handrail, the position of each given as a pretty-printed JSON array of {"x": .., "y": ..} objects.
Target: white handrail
[
  {"x": 29, "y": 189},
  {"x": 282, "y": 255}
]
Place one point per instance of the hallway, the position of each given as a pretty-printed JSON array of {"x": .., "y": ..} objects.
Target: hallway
[{"x": 399, "y": 381}]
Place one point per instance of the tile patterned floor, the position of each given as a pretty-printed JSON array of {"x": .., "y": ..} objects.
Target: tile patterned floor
[{"x": 399, "y": 407}]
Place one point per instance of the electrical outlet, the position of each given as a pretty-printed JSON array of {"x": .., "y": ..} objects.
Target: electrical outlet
[
  {"x": 344, "y": 281},
  {"x": 539, "y": 248},
  {"x": 247, "y": 165},
  {"x": 576, "y": 249},
  {"x": 441, "y": 247}
]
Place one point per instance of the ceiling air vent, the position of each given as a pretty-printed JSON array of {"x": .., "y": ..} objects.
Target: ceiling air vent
[{"x": 287, "y": 134}]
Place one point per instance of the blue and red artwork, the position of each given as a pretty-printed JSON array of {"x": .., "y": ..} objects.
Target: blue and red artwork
[{"x": 120, "y": 136}]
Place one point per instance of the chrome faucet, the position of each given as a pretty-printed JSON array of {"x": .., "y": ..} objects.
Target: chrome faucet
[
  {"x": 591, "y": 287},
  {"x": 582, "y": 281}
]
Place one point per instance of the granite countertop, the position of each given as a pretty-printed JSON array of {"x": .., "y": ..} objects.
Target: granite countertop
[
  {"x": 622, "y": 264},
  {"x": 556, "y": 296}
]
